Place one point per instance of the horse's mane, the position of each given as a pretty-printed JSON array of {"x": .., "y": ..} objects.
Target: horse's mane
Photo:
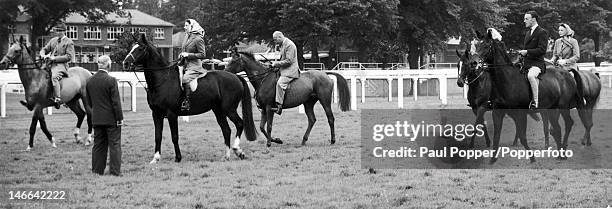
[
  {"x": 248, "y": 54},
  {"x": 501, "y": 48}
]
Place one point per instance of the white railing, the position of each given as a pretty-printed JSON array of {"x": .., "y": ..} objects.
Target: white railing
[
  {"x": 447, "y": 65},
  {"x": 314, "y": 66},
  {"x": 368, "y": 66}
]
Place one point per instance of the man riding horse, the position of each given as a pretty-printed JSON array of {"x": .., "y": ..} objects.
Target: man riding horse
[
  {"x": 535, "y": 45},
  {"x": 57, "y": 53},
  {"x": 288, "y": 65}
]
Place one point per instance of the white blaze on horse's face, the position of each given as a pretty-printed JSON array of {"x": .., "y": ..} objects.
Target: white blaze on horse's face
[{"x": 130, "y": 54}]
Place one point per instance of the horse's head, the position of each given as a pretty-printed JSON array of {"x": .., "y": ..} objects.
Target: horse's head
[
  {"x": 488, "y": 48},
  {"x": 139, "y": 54},
  {"x": 242, "y": 61},
  {"x": 17, "y": 54},
  {"x": 466, "y": 68}
]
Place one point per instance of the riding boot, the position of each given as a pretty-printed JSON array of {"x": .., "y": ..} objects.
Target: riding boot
[
  {"x": 57, "y": 100},
  {"x": 534, "y": 90},
  {"x": 279, "y": 108},
  {"x": 185, "y": 106}
]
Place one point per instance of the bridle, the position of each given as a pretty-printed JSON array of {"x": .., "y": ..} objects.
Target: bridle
[
  {"x": 132, "y": 68},
  {"x": 258, "y": 77},
  {"x": 11, "y": 60},
  {"x": 466, "y": 81}
]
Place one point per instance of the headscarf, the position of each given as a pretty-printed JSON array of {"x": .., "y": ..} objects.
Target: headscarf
[
  {"x": 195, "y": 28},
  {"x": 570, "y": 32}
]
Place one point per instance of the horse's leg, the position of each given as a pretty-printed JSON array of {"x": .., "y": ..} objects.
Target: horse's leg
[
  {"x": 235, "y": 118},
  {"x": 569, "y": 122},
  {"x": 326, "y": 103},
  {"x": 270, "y": 119},
  {"x": 520, "y": 122},
  {"x": 262, "y": 125},
  {"x": 43, "y": 127},
  {"x": 546, "y": 127},
  {"x": 225, "y": 129},
  {"x": 174, "y": 133},
  {"x": 80, "y": 113},
  {"x": 33, "y": 128},
  {"x": 158, "y": 122},
  {"x": 553, "y": 117},
  {"x": 498, "y": 120},
  {"x": 309, "y": 110},
  {"x": 586, "y": 116},
  {"x": 480, "y": 121},
  {"x": 89, "y": 125}
]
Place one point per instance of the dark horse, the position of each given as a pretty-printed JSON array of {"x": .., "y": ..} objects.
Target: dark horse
[
  {"x": 37, "y": 85},
  {"x": 218, "y": 91},
  {"x": 312, "y": 86},
  {"x": 511, "y": 93},
  {"x": 479, "y": 92}
]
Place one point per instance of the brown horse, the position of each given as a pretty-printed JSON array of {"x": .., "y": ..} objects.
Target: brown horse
[
  {"x": 37, "y": 84},
  {"x": 312, "y": 86}
]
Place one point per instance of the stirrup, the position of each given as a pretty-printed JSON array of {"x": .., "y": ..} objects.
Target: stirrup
[
  {"x": 185, "y": 106},
  {"x": 532, "y": 105}
]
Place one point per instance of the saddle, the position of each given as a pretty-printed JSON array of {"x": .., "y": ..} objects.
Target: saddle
[{"x": 193, "y": 84}]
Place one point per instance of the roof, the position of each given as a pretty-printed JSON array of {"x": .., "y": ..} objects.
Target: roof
[{"x": 137, "y": 18}]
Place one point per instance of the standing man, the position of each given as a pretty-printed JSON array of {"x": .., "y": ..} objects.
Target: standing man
[
  {"x": 57, "y": 53},
  {"x": 107, "y": 118},
  {"x": 288, "y": 65},
  {"x": 535, "y": 45}
]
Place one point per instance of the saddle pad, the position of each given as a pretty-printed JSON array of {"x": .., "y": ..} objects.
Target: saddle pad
[{"x": 194, "y": 83}]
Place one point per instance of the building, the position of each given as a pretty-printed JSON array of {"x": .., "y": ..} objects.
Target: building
[{"x": 92, "y": 40}]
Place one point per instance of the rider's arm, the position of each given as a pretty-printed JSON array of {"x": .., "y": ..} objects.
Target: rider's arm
[
  {"x": 46, "y": 49},
  {"x": 200, "y": 50},
  {"x": 289, "y": 57},
  {"x": 540, "y": 50},
  {"x": 69, "y": 52},
  {"x": 576, "y": 52},
  {"x": 555, "y": 56}
]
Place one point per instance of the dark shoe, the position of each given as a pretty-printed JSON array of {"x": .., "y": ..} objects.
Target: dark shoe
[{"x": 278, "y": 109}]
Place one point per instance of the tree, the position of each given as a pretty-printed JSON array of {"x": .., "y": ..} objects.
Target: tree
[
  {"x": 47, "y": 13},
  {"x": 9, "y": 10},
  {"x": 427, "y": 24}
]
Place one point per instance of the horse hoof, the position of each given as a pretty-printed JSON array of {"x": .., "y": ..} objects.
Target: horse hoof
[
  {"x": 154, "y": 161},
  {"x": 28, "y": 149},
  {"x": 178, "y": 159},
  {"x": 333, "y": 141},
  {"x": 268, "y": 144},
  {"x": 588, "y": 144},
  {"x": 277, "y": 140},
  {"x": 242, "y": 156}
]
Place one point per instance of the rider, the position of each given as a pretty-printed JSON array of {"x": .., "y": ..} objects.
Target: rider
[
  {"x": 535, "y": 45},
  {"x": 57, "y": 53},
  {"x": 567, "y": 52},
  {"x": 289, "y": 68},
  {"x": 193, "y": 51}
]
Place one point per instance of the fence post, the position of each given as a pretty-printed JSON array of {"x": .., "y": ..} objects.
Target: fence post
[
  {"x": 400, "y": 91},
  {"x": 133, "y": 95},
  {"x": 466, "y": 88},
  {"x": 443, "y": 90},
  {"x": 354, "y": 93},
  {"x": 390, "y": 81},
  {"x": 3, "y": 100},
  {"x": 363, "y": 92},
  {"x": 49, "y": 110},
  {"x": 415, "y": 84}
]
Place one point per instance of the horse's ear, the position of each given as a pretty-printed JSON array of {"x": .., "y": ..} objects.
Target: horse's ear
[
  {"x": 479, "y": 35},
  {"x": 21, "y": 40},
  {"x": 143, "y": 38}
]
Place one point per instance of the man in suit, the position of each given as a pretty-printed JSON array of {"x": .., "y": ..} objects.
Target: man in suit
[
  {"x": 535, "y": 45},
  {"x": 57, "y": 53},
  {"x": 288, "y": 65},
  {"x": 107, "y": 118}
]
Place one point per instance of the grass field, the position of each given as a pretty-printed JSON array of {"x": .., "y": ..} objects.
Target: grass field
[{"x": 317, "y": 175}]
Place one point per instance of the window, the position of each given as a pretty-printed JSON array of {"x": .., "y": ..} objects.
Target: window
[
  {"x": 138, "y": 30},
  {"x": 72, "y": 33},
  {"x": 112, "y": 33},
  {"x": 159, "y": 33},
  {"x": 91, "y": 33}
]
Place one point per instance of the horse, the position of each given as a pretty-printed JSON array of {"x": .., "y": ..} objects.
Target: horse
[
  {"x": 310, "y": 87},
  {"x": 218, "y": 91},
  {"x": 511, "y": 91},
  {"x": 38, "y": 88},
  {"x": 479, "y": 92}
]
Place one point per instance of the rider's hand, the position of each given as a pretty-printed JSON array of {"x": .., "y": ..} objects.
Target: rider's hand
[
  {"x": 183, "y": 54},
  {"x": 562, "y": 62},
  {"x": 120, "y": 123},
  {"x": 522, "y": 52}
]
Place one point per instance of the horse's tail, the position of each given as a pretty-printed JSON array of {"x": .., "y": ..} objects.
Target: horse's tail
[
  {"x": 247, "y": 112},
  {"x": 579, "y": 87},
  {"x": 344, "y": 94},
  {"x": 594, "y": 71}
]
